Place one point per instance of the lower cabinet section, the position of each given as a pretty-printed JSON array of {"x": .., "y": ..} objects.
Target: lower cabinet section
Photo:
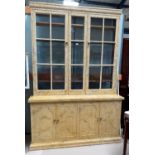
[{"x": 60, "y": 124}]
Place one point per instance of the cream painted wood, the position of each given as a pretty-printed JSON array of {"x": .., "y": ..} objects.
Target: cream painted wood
[
  {"x": 49, "y": 6},
  {"x": 88, "y": 120},
  {"x": 66, "y": 121},
  {"x": 74, "y": 120},
  {"x": 110, "y": 113},
  {"x": 69, "y": 12},
  {"x": 42, "y": 126},
  {"x": 66, "y": 118}
]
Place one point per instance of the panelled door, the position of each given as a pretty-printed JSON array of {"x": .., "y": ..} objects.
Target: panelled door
[
  {"x": 88, "y": 120},
  {"x": 100, "y": 53},
  {"x": 42, "y": 122},
  {"x": 77, "y": 52},
  {"x": 66, "y": 121},
  {"x": 51, "y": 52},
  {"x": 110, "y": 119}
]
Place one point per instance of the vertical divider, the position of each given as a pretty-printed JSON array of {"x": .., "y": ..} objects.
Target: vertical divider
[
  {"x": 34, "y": 52},
  {"x": 69, "y": 52},
  {"x": 88, "y": 51},
  {"x": 115, "y": 57},
  {"x": 51, "y": 48},
  {"x": 66, "y": 69},
  {"x": 102, "y": 52},
  {"x": 85, "y": 54}
]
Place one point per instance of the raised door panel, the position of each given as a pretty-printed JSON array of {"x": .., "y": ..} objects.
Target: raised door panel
[
  {"x": 110, "y": 113},
  {"x": 66, "y": 121},
  {"x": 42, "y": 122},
  {"x": 88, "y": 116}
]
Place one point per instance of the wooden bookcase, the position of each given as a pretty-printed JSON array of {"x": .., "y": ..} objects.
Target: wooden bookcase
[{"x": 75, "y": 77}]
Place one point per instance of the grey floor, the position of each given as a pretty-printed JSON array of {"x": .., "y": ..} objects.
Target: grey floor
[{"x": 104, "y": 149}]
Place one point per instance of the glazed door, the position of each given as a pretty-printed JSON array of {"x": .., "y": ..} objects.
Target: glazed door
[
  {"x": 100, "y": 53},
  {"x": 110, "y": 119},
  {"x": 42, "y": 122},
  {"x": 77, "y": 54},
  {"x": 88, "y": 120},
  {"x": 66, "y": 121},
  {"x": 51, "y": 52}
]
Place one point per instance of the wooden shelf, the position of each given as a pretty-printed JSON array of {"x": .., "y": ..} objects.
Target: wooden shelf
[
  {"x": 47, "y": 24},
  {"x": 96, "y": 26},
  {"x": 109, "y": 27},
  {"x": 78, "y": 25}
]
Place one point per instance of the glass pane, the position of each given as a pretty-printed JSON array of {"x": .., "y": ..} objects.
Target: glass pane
[
  {"x": 58, "y": 19},
  {"x": 58, "y": 77},
  {"x": 108, "y": 54},
  {"x": 77, "y": 33},
  {"x": 42, "y": 31},
  {"x": 77, "y": 20},
  {"x": 44, "y": 79},
  {"x": 77, "y": 53},
  {"x": 42, "y": 18},
  {"x": 96, "y": 34},
  {"x": 107, "y": 77},
  {"x": 110, "y": 22},
  {"x": 94, "y": 77},
  {"x": 58, "y": 52},
  {"x": 109, "y": 34},
  {"x": 77, "y": 77},
  {"x": 95, "y": 53},
  {"x": 57, "y": 32},
  {"x": 43, "y": 51},
  {"x": 42, "y": 28},
  {"x": 96, "y": 21}
]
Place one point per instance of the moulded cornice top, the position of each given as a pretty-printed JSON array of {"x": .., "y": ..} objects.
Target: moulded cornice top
[{"x": 46, "y": 5}]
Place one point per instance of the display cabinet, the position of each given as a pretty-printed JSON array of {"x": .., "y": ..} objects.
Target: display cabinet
[{"x": 75, "y": 77}]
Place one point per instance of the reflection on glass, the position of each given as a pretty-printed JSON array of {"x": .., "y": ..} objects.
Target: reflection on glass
[
  {"x": 94, "y": 77},
  {"x": 57, "y": 32},
  {"x": 77, "y": 53},
  {"x": 44, "y": 79},
  {"x": 58, "y": 77},
  {"x": 110, "y": 22},
  {"x": 77, "y": 33},
  {"x": 96, "y": 34},
  {"x": 58, "y": 19},
  {"x": 76, "y": 77},
  {"x": 95, "y": 53},
  {"x": 77, "y": 20},
  {"x": 96, "y": 21},
  {"x": 43, "y": 51},
  {"x": 42, "y": 18},
  {"x": 109, "y": 34},
  {"x": 107, "y": 77},
  {"x": 58, "y": 52},
  {"x": 108, "y": 54}
]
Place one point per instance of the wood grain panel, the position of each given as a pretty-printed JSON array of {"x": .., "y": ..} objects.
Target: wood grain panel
[
  {"x": 42, "y": 122},
  {"x": 110, "y": 119},
  {"x": 66, "y": 121},
  {"x": 88, "y": 115}
]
